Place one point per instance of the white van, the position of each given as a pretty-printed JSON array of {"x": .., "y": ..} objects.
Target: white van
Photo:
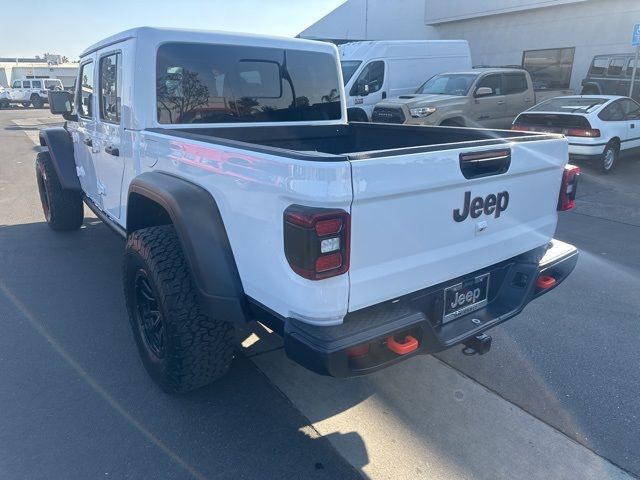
[{"x": 375, "y": 70}]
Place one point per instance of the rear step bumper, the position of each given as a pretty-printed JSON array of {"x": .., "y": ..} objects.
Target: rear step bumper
[{"x": 387, "y": 333}]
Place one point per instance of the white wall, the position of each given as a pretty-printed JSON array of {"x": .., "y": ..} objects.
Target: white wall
[
  {"x": 12, "y": 71},
  {"x": 498, "y": 31},
  {"x": 592, "y": 27},
  {"x": 373, "y": 20},
  {"x": 439, "y": 11}
]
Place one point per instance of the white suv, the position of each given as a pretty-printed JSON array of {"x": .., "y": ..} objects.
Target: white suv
[{"x": 31, "y": 91}]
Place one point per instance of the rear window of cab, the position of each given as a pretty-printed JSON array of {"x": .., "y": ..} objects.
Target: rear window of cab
[{"x": 205, "y": 83}]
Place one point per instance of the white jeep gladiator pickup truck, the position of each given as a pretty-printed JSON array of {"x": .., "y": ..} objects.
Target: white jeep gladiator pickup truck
[{"x": 228, "y": 165}]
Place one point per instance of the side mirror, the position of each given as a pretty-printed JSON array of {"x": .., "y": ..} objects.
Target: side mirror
[
  {"x": 61, "y": 103},
  {"x": 483, "y": 92},
  {"x": 363, "y": 89}
]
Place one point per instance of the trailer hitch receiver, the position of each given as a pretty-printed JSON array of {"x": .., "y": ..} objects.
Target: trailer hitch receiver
[{"x": 480, "y": 344}]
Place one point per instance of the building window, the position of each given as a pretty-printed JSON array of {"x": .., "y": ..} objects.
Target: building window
[{"x": 550, "y": 68}]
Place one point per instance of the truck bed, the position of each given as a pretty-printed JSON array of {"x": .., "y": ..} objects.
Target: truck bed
[
  {"x": 354, "y": 141},
  {"x": 402, "y": 186}
]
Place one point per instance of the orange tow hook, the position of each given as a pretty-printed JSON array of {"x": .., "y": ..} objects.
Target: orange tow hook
[
  {"x": 545, "y": 281},
  {"x": 409, "y": 345}
]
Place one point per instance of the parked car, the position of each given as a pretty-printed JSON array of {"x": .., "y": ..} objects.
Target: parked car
[
  {"x": 611, "y": 75},
  {"x": 487, "y": 97},
  {"x": 599, "y": 127},
  {"x": 32, "y": 91},
  {"x": 375, "y": 70},
  {"x": 275, "y": 208}
]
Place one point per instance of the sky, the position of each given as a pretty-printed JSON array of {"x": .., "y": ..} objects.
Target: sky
[{"x": 67, "y": 27}]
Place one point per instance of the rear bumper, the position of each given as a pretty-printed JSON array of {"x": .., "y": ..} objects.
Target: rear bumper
[
  {"x": 325, "y": 350},
  {"x": 585, "y": 151}
]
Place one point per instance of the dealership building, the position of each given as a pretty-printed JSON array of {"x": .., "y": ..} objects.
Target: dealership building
[
  {"x": 53, "y": 66},
  {"x": 554, "y": 39}
]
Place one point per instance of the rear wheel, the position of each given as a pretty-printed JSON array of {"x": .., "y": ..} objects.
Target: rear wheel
[
  {"x": 62, "y": 209},
  {"x": 609, "y": 157},
  {"x": 37, "y": 101},
  {"x": 181, "y": 346}
]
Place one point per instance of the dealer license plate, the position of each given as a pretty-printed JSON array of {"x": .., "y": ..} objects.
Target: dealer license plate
[{"x": 465, "y": 297}]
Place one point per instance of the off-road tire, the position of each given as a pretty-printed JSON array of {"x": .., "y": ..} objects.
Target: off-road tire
[
  {"x": 36, "y": 101},
  {"x": 62, "y": 209},
  {"x": 196, "y": 349},
  {"x": 609, "y": 157}
]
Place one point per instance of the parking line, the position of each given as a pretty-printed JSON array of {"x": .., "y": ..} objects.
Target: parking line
[
  {"x": 95, "y": 386},
  {"x": 31, "y": 126}
]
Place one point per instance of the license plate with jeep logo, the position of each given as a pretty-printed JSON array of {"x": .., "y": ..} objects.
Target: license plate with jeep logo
[{"x": 465, "y": 297}]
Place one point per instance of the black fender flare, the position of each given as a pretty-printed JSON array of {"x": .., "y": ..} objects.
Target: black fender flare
[
  {"x": 195, "y": 215},
  {"x": 60, "y": 145}
]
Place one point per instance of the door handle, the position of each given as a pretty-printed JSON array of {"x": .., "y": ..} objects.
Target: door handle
[
  {"x": 384, "y": 95},
  {"x": 88, "y": 142},
  {"x": 500, "y": 102},
  {"x": 112, "y": 151}
]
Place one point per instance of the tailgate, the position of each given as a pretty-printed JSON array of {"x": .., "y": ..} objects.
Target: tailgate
[{"x": 417, "y": 220}]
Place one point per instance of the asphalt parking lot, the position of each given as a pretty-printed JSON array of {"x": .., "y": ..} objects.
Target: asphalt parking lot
[{"x": 557, "y": 397}]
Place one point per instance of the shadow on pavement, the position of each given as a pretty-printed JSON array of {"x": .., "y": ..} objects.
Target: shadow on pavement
[{"x": 77, "y": 403}]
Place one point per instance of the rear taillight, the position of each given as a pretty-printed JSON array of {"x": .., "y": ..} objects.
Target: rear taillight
[
  {"x": 569, "y": 186},
  {"x": 316, "y": 241},
  {"x": 583, "y": 132},
  {"x": 571, "y": 132}
]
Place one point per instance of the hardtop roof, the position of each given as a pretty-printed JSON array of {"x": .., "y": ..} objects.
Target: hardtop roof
[{"x": 160, "y": 35}]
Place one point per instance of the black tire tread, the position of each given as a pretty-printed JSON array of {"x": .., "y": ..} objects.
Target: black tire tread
[
  {"x": 65, "y": 206},
  {"x": 200, "y": 349}
]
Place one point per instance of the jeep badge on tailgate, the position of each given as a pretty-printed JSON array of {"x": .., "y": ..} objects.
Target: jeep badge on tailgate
[{"x": 492, "y": 204}]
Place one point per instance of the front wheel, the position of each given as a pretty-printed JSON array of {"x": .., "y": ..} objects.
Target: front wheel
[
  {"x": 63, "y": 209},
  {"x": 26, "y": 104},
  {"x": 182, "y": 347},
  {"x": 609, "y": 157}
]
